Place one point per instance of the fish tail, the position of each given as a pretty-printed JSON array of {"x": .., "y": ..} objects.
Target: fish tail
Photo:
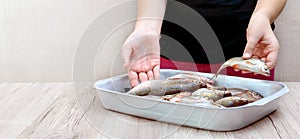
[
  {"x": 225, "y": 65},
  {"x": 218, "y": 72},
  {"x": 131, "y": 92}
]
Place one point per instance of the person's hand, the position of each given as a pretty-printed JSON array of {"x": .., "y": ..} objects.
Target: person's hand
[
  {"x": 261, "y": 41},
  {"x": 141, "y": 56}
]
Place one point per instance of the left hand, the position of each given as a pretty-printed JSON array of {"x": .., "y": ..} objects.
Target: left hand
[{"x": 261, "y": 41}]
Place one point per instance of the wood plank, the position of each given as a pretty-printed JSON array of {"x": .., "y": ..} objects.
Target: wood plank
[
  {"x": 79, "y": 114},
  {"x": 22, "y": 103},
  {"x": 153, "y": 129},
  {"x": 59, "y": 121},
  {"x": 287, "y": 118},
  {"x": 107, "y": 123}
]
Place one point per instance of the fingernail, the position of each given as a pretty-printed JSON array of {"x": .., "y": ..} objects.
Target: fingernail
[{"x": 246, "y": 55}]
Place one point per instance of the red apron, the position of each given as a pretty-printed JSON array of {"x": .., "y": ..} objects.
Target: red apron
[{"x": 210, "y": 68}]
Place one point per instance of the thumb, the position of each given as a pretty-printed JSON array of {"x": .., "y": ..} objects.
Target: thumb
[
  {"x": 126, "y": 53},
  {"x": 251, "y": 43}
]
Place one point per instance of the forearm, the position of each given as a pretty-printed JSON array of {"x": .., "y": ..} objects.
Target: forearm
[
  {"x": 269, "y": 8},
  {"x": 150, "y": 14}
]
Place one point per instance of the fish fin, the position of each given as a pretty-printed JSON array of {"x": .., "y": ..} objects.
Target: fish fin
[{"x": 236, "y": 66}]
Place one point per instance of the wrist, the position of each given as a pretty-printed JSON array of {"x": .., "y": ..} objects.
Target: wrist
[
  {"x": 259, "y": 19},
  {"x": 148, "y": 26},
  {"x": 262, "y": 15}
]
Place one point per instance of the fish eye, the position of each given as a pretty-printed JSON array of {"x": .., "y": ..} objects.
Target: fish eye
[{"x": 265, "y": 68}]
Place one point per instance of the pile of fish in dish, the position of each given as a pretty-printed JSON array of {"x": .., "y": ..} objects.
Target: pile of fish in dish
[{"x": 195, "y": 90}]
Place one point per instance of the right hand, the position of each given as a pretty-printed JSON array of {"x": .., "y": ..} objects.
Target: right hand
[
  {"x": 261, "y": 41},
  {"x": 141, "y": 56}
]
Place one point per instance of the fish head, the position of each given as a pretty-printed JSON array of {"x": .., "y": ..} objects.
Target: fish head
[
  {"x": 256, "y": 95},
  {"x": 264, "y": 70},
  {"x": 239, "y": 101},
  {"x": 257, "y": 65}
]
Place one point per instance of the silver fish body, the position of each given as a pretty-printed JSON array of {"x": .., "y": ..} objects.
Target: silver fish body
[
  {"x": 211, "y": 87},
  {"x": 232, "y": 101},
  {"x": 166, "y": 87},
  {"x": 168, "y": 97},
  {"x": 211, "y": 94},
  {"x": 179, "y": 96},
  {"x": 198, "y": 101},
  {"x": 191, "y": 76},
  {"x": 193, "y": 99},
  {"x": 251, "y": 96},
  {"x": 254, "y": 65}
]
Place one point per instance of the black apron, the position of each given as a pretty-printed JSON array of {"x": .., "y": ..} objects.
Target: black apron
[{"x": 228, "y": 19}]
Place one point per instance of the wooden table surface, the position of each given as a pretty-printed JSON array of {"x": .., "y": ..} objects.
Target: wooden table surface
[{"x": 58, "y": 110}]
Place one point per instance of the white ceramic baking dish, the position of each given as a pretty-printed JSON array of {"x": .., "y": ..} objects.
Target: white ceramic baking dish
[{"x": 112, "y": 94}]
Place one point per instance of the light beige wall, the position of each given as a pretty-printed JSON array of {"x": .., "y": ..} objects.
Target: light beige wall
[
  {"x": 38, "y": 39},
  {"x": 288, "y": 33}
]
